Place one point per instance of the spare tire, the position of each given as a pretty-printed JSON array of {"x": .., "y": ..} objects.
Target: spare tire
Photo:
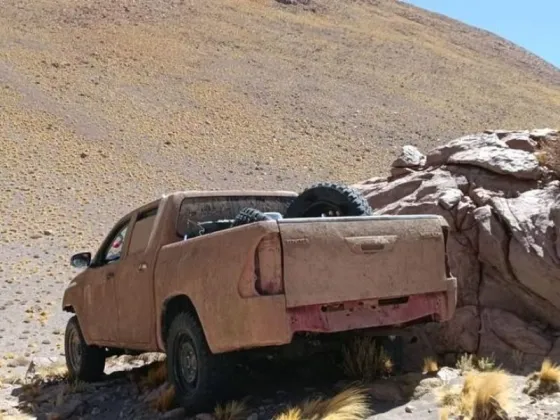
[
  {"x": 329, "y": 199},
  {"x": 249, "y": 215}
]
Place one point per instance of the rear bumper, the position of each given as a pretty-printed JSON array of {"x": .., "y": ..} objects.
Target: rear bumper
[{"x": 345, "y": 316}]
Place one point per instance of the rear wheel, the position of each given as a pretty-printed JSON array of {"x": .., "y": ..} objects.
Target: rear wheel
[
  {"x": 329, "y": 200},
  {"x": 197, "y": 375},
  {"x": 84, "y": 362}
]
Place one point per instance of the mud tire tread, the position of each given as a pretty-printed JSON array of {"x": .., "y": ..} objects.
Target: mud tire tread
[
  {"x": 354, "y": 203},
  {"x": 212, "y": 368},
  {"x": 93, "y": 358},
  {"x": 249, "y": 215}
]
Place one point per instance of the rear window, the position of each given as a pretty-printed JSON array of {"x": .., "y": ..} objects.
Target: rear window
[{"x": 207, "y": 209}]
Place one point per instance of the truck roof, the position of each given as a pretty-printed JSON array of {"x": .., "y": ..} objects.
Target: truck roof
[{"x": 225, "y": 193}]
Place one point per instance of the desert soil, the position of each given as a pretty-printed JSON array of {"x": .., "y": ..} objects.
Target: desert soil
[{"x": 106, "y": 105}]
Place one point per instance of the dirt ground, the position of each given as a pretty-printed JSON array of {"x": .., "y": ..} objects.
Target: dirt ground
[{"x": 105, "y": 105}]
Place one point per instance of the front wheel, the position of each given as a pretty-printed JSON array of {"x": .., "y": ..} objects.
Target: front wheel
[
  {"x": 84, "y": 362},
  {"x": 197, "y": 375}
]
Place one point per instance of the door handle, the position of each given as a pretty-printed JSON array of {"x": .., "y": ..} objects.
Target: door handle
[{"x": 142, "y": 267}]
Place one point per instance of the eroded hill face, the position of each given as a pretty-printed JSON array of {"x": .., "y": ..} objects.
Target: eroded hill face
[{"x": 106, "y": 105}]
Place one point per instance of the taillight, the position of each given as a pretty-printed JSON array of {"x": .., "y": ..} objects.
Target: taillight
[{"x": 268, "y": 266}]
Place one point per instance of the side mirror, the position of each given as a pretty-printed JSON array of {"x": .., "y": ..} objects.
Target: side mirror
[{"x": 81, "y": 260}]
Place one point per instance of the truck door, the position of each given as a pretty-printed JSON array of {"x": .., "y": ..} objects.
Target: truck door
[
  {"x": 100, "y": 318},
  {"x": 134, "y": 289}
]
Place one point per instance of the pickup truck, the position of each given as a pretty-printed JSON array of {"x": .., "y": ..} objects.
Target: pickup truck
[{"x": 201, "y": 275}]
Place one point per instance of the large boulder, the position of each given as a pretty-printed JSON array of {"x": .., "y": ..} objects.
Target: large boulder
[{"x": 503, "y": 207}]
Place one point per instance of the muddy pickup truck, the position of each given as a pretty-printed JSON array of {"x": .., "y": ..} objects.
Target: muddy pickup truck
[{"x": 203, "y": 275}]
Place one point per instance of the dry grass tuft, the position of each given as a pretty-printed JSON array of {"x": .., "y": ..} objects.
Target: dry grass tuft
[
  {"x": 470, "y": 362},
  {"x": 232, "y": 410},
  {"x": 544, "y": 382},
  {"x": 484, "y": 396},
  {"x": 492, "y": 397},
  {"x": 156, "y": 376},
  {"x": 448, "y": 396},
  {"x": 165, "y": 401},
  {"x": 350, "y": 404},
  {"x": 430, "y": 366},
  {"x": 363, "y": 359}
]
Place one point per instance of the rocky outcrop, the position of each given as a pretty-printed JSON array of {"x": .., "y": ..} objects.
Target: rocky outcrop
[{"x": 503, "y": 207}]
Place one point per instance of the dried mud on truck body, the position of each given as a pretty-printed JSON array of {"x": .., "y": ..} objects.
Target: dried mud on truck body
[{"x": 201, "y": 274}]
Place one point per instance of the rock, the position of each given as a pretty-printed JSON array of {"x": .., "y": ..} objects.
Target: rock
[
  {"x": 503, "y": 246},
  {"x": 177, "y": 413},
  {"x": 410, "y": 157},
  {"x": 542, "y": 133},
  {"x": 503, "y": 334},
  {"x": 409, "y": 409},
  {"x": 450, "y": 198},
  {"x": 521, "y": 141},
  {"x": 398, "y": 172},
  {"x": 441, "y": 154},
  {"x": 517, "y": 163},
  {"x": 447, "y": 374},
  {"x": 493, "y": 241},
  {"x": 70, "y": 408}
]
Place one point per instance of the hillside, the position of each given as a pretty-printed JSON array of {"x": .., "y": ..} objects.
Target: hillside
[{"x": 105, "y": 105}]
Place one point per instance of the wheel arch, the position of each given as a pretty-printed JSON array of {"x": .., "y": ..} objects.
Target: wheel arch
[{"x": 172, "y": 306}]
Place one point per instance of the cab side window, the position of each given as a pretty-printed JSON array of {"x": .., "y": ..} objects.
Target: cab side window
[
  {"x": 141, "y": 231},
  {"x": 113, "y": 252}
]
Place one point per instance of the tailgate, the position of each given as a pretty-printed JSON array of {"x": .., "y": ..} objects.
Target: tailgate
[{"x": 328, "y": 260}]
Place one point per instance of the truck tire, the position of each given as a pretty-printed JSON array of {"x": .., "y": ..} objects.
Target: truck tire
[
  {"x": 197, "y": 375},
  {"x": 249, "y": 215},
  {"x": 330, "y": 200},
  {"x": 84, "y": 362}
]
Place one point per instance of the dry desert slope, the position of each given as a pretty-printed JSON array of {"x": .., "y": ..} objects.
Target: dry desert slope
[{"x": 105, "y": 105}]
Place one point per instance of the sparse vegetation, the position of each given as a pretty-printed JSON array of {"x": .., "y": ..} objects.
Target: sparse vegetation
[
  {"x": 365, "y": 360},
  {"x": 470, "y": 362},
  {"x": 430, "y": 366},
  {"x": 165, "y": 401},
  {"x": 350, "y": 404},
  {"x": 156, "y": 376},
  {"x": 544, "y": 382},
  {"x": 232, "y": 410},
  {"x": 483, "y": 396}
]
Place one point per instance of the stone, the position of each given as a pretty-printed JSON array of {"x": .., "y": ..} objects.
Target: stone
[
  {"x": 440, "y": 155},
  {"x": 521, "y": 141},
  {"x": 503, "y": 334},
  {"x": 447, "y": 374},
  {"x": 175, "y": 414},
  {"x": 517, "y": 163},
  {"x": 398, "y": 172},
  {"x": 542, "y": 133},
  {"x": 493, "y": 241},
  {"x": 410, "y": 157},
  {"x": 450, "y": 198},
  {"x": 70, "y": 408},
  {"x": 503, "y": 246}
]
